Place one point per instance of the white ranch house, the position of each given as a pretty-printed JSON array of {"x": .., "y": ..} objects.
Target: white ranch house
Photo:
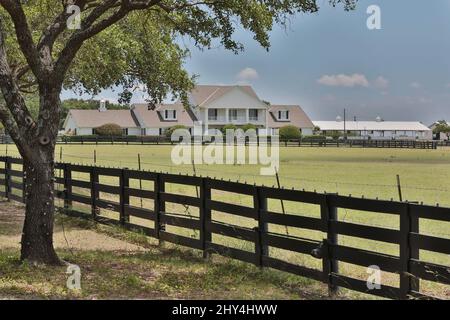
[{"x": 213, "y": 106}]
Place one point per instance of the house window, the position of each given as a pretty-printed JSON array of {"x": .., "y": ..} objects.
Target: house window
[
  {"x": 212, "y": 114},
  {"x": 142, "y": 131},
  {"x": 283, "y": 115},
  {"x": 253, "y": 114},
  {"x": 125, "y": 131},
  {"x": 170, "y": 114},
  {"x": 233, "y": 114}
]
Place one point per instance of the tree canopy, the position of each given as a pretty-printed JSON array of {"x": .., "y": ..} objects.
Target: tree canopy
[
  {"x": 441, "y": 126},
  {"x": 129, "y": 43}
]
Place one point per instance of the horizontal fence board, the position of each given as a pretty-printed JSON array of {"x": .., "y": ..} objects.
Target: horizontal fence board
[
  {"x": 81, "y": 184},
  {"x": 15, "y": 185},
  {"x": 361, "y": 286},
  {"x": 147, "y": 194},
  {"x": 108, "y": 205},
  {"x": 15, "y": 173},
  {"x": 230, "y": 186},
  {"x": 180, "y": 199},
  {"x": 15, "y": 160},
  {"x": 79, "y": 168},
  {"x": 365, "y": 258},
  {"x": 366, "y": 232},
  {"x": 381, "y": 206},
  {"x": 430, "y": 243},
  {"x": 59, "y": 180},
  {"x": 429, "y": 212},
  {"x": 180, "y": 221},
  {"x": 231, "y": 231},
  {"x": 430, "y": 271},
  {"x": 140, "y": 212},
  {"x": 300, "y": 245},
  {"x": 291, "y": 220},
  {"x": 141, "y": 175},
  {"x": 292, "y": 268},
  {"x": 106, "y": 220},
  {"x": 180, "y": 240},
  {"x": 233, "y": 209},
  {"x": 111, "y": 172},
  {"x": 107, "y": 188},
  {"x": 181, "y": 179},
  {"x": 80, "y": 198},
  {"x": 233, "y": 253},
  {"x": 293, "y": 195}
]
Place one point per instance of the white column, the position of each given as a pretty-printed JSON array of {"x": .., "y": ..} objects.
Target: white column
[
  {"x": 246, "y": 116},
  {"x": 226, "y": 116}
]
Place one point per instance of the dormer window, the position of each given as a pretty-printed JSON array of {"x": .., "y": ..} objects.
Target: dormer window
[
  {"x": 170, "y": 114},
  {"x": 283, "y": 115}
]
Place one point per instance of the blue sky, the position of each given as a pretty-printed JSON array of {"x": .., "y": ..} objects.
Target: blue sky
[{"x": 329, "y": 61}]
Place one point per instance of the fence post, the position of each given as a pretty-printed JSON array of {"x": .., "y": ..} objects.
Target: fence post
[
  {"x": 260, "y": 205},
  {"x": 67, "y": 186},
  {"x": 160, "y": 206},
  {"x": 205, "y": 217},
  {"x": 407, "y": 225},
  {"x": 330, "y": 266},
  {"x": 94, "y": 192},
  {"x": 124, "y": 197},
  {"x": 7, "y": 178}
]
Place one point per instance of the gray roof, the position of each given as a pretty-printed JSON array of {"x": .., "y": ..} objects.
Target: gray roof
[
  {"x": 203, "y": 94},
  {"x": 96, "y": 118},
  {"x": 297, "y": 117}
]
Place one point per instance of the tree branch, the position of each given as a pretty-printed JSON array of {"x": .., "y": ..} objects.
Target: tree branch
[
  {"x": 90, "y": 28},
  {"x": 10, "y": 90},
  {"x": 24, "y": 37}
]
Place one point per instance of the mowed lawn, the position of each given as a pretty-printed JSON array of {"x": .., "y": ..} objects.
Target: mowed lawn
[{"x": 424, "y": 174}]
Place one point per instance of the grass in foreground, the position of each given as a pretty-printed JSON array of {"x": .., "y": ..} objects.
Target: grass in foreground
[{"x": 152, "y": 273}]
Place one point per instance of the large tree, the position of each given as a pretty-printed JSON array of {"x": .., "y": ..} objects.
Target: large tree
[{"x": 124, "y": 43}]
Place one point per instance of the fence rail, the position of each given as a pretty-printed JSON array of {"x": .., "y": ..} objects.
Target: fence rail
[
  {"x": 408, "y": 265},
  {"x": 162, "y": 140}
]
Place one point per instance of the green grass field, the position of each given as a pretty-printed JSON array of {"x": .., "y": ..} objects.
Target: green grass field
[{"x": 425, "y": 176}]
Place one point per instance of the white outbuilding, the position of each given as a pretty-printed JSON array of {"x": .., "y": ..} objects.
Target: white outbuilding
[{"x": 377, "y": 130}]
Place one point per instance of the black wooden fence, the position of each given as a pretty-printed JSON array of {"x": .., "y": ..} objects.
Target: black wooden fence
[
  {"x": 408, "y": 265},
  {"x": 307, "y": 142}
]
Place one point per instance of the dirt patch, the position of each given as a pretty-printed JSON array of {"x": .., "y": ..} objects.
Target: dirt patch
[{"x": 72, "y": 238}]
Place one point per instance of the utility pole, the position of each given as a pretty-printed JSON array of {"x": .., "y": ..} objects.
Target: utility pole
[{"x": 345, "y": 124}]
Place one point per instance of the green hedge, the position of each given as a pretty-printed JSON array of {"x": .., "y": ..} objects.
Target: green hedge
[
  {"x": 289, "y": 132},
  {"x": 109, "y": 129}
]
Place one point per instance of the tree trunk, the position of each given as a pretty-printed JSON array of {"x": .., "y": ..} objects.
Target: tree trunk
[{"x": 37, "y": 236}]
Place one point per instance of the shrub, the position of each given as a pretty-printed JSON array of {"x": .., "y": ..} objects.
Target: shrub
[
  {"x": 314, "y": 138},
  {"x": 289, "y": 132},
  {"x": 228, "y": 127},
  {"x": 169, "y": 131},
  {"x": 109, "y": 129},
  {"x": 248, "y": 126}
]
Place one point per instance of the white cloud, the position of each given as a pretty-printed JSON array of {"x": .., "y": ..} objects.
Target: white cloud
[
  {"x": 381, "y": 83},
  {"x": 343, "y": 80},
  {"x": 415, "y": 85},
  {"x": 247, "y": 74}
]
